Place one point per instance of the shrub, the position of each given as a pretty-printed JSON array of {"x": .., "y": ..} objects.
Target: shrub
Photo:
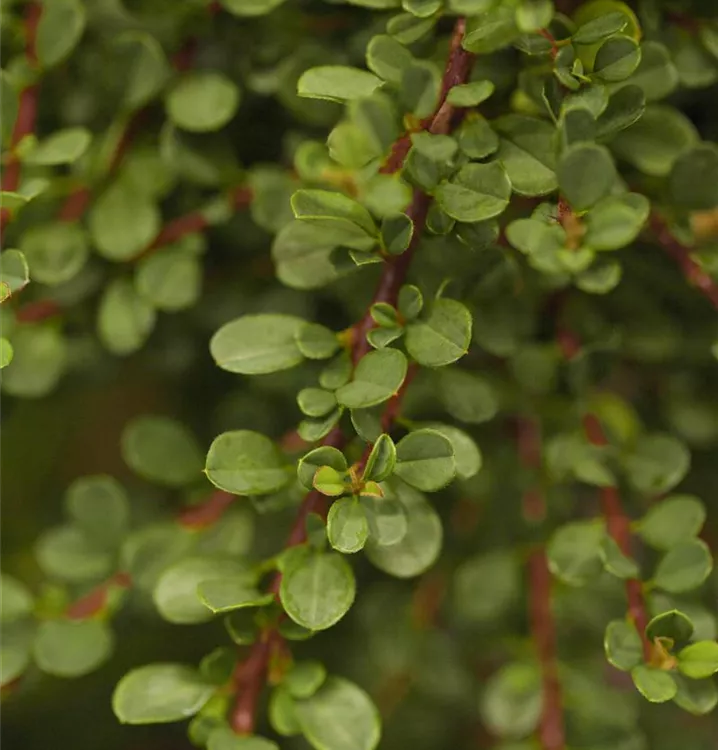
[{"x": 409, "y": 312}]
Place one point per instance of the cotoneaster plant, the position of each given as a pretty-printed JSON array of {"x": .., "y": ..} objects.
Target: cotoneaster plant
[{"x": 435, "y": 284}]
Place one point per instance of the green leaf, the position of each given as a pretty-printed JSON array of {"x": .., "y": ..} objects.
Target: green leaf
[
  {"x": 257, "y": 344},
  {"x": 318, "y": 590},
  {"x": 657, "y": 464},
  {"x": 625, "y": 107},
  {"x": 55, "y": 252},
  {"x": 672, "y": 624},
  {"x": 14, "y": 654},
  {"x": 616, "y": 221},
  {"x": 396, "y": 233},
  {"x": 281, "y": 710},
  {"x": 16, "y": 601},
  {"x": 422, "y": 8},
  {"x": 176, "y": 592},
  {"x": 467, "y": 396},
  {"x": 160, "y": 693},
  {"x": 489, "y": 31},
  {"x": 39, "y": 359},
  {"x": 470, "y": 94},
  {"x": 161, "y": 450},
  {"x": 418, "y": 548},
  {"x": 202, "y": 101},
  {"x": 382, "y": 459},
  {"x": 337, "y": 83},
  {"x": 228, "y": 594},
  {"x": 311, "y": 430},
  {"x": 574, "y": 552},
  {"x": 527, "y": 153},
  {"x": 616, "y": 562},
  {"x": 387, "y": 519},
  {"x": 61, "y": 25},
  {"x": 466, "y": 453},
  {"x": 301, "y": 254},
  {"x": 64, "y": 552},
  {"x": 304, "y": 678},
  {"x": 653, "y": 144},
  {"x": 123, "y": 222},
  {"x": 436, "y": 148},
  {"x": 532, "y": 15},
  {"x": 617, "y": 58},
  {"x": 693, "y": 181},
  {"x": 316, "y": 402},
  {"x": 148, "y": 69},
  {"x": 410, "y": 301},
  {"x": 477, "y": 139},
  {"x": 656, "y": 74},
  {"x": 62, "y": 147},
  {"x": 442, "y": 337},
  {"x": 99, "y": 506},
  {"x": 386, "y": 57},
  {"x": 586, "y": 173},
  {"x": 425, "y": 460},
  {"x": 654, "y": 685},
  {"x": 72, "y": 648},
  {"x": 486, "y": 586},
  {"x": 311, "y": 462},
  {"x": 223, "y": 738},
  {"x": 339, "y": 716},
  {"x": 408, "y": 29},
  {"x": 124, "y": 320},
  {"x": 329, "y": 481},
  {"x": 599, "y": 28},
  {"x": 317, "y": 342},
  {"x": 674, "y": 520},
  {"x": 377, "y": 377},
  {"x": 345, "y": 218},
  {"x": 6, "y": 353},
  {"x": 511, "y": 703},
  {"x": 475, "y": 193},
  {"x": 170, "y": 280},
  {"x": 622, "y": 645},
  {"x": 684, "y": 567},
  {"x": 251, "y": 8},
  {"x": 246, "y": 463},
  {"x": 14, "y": 272},
  {"x": 698, "y": 697},
  {"x": 347, "y": 526}
]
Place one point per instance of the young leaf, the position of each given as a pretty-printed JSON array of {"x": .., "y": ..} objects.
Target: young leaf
[
  {"x": 672, "y": 624},
  {"x": 382, "y": 459},
  {"x": 699, "y": 660},
  {"x": 329, "y": 481},
  {"x": 654, "y": 685},
  {"x": 310, "y": 463},
  {"x": 347, "y": 526}
]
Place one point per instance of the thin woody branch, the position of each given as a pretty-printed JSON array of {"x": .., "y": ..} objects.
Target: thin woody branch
[
  {"x": 393, "y": 276},
  {"x": 692, "y": 271}
]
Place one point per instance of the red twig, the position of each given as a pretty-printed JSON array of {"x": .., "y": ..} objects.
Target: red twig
[
  {"x": 546, "y": 34},
  {"x": 393, "y": 276},
  {"x": 26, "y": 115},
  {"x": 34, "y": 312},
  {"x": 208, "y": 512},
  {"x": 92, "y": 603},
  {"x": 551, "y": 726},
  {"x": 692, "y": 271}
]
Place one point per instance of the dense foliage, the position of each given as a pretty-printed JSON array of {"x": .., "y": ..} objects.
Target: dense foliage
[{"x": 406, "y": 310}]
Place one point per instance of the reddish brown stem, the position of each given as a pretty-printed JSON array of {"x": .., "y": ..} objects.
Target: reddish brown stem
[
  {"x": 26, "y": 114},
  {"x": 528, "y": 438},
  {"x": 34, "y": 312},
  {"x": 546, "y": 34},
  {"x": 95, "y": 600},
  {"x": 393, "y": 276},
  {"x": 206, "y": 513},
  {"x": 619, "y": 527},
  {"x": 691, "y": 270},
  {"x": 551, "y": 726}
]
